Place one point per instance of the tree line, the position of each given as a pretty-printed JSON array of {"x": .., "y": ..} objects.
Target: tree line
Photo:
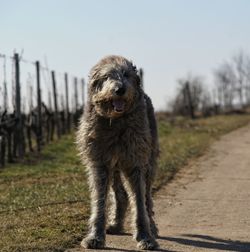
[{"x": 231, "y": 92}]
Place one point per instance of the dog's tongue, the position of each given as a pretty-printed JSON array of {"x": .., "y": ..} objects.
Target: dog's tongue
[{"x": 118, "y": 105}]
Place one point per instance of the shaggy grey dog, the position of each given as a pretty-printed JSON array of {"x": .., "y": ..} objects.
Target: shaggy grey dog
[{"x": 118, "y": 141}]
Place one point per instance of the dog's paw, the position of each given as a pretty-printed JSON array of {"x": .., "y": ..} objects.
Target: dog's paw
[
  {"x": 114, "y": 229},
  {"x": 147, "y": 244},
  {"x": 146, "y": 241},
  {"x": 92, "y": 242}
]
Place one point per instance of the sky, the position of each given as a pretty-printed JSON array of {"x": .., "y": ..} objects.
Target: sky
[{"x": 167, "y": 38}]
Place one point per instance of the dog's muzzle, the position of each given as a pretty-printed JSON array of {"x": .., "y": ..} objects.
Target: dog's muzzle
[
  {"x": 118, "y": 105},
  {"x": 118, "y": 102}
]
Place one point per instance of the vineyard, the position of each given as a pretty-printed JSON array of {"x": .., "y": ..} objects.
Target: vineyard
[{"x": 36, "y": 106}]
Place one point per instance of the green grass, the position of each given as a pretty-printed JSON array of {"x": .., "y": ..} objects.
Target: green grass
[{"x": 44, "y": 201}]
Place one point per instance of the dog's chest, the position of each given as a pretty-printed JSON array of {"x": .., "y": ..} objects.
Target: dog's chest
[{"x": 125, "y": 148}]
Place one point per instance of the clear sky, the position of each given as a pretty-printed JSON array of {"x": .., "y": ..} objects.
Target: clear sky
[{"x": 168, "y": 38}]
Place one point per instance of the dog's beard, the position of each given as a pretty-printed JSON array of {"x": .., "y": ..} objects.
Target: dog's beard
[{"x": 112, "y": 108}]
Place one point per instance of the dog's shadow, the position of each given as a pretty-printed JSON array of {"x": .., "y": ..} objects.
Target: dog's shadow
[
  {"x": 197, "y": 241},
  {"x": 209, "y": 242}
]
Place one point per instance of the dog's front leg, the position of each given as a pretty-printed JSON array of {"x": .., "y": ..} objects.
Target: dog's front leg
[
  {"x": 137, "y": 186},
  {"x": 98, "y": 180},
  {"x": 119, "y": 206}
]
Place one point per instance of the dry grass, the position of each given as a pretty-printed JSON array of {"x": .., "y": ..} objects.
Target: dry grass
[
  {"x": 44, "y": 202},
  {"x": 184, "y": 139}
]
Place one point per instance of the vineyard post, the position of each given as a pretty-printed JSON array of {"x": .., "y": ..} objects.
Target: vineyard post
[
  {"x": 5, "y": 96},
  {"x": 67, "y": 102},
  {"x": 55, "y": 104},
  {"x": 39, "y": 106},
  {"x": 76, "y": 94},
  {"x": 83, "y": 93},
  {"x": 19, "y": 138}
]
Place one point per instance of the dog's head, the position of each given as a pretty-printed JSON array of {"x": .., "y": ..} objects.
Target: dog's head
[{"x": 114, "y": 86}]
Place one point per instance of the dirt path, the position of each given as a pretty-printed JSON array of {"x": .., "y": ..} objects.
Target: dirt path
[{"x": 207, "y": 206}]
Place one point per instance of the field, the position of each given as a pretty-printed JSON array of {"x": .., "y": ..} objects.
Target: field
[{"x": 44, "y": 202}]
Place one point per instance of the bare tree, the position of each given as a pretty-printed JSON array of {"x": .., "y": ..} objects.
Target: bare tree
[
  {"x": 239, "y": 64},
  {"x": 189, "y": 95},
  {"x": 207, "y": 105},
  {"x": 247, "y": 87},
  {"x": 233, "y": 81},
  {"x": 225, "y": 80}
]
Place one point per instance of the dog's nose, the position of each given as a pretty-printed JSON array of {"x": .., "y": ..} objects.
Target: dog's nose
[{"x": 120, "y": 91}]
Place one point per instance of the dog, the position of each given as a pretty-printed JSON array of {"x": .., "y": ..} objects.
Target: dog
[{"x": 118, "y": 143}]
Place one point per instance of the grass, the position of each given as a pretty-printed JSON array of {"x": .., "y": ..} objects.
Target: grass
[
  {"x": 44, "y": 201},
  {"x": 187, "y": 139}
]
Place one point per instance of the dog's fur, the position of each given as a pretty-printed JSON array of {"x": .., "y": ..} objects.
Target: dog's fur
[{"x": 118, "y": 141}]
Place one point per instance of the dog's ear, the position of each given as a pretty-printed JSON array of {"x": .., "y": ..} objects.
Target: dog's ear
[
  {"x": 138, "y": 80},
  {"x": 137, "y": 76}
]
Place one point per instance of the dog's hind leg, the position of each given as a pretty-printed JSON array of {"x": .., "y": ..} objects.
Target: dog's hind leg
[
  {"x": 119, "y": 205},
  {"x": 149, "y": 205},
  {"x": 99, "y": 180}
]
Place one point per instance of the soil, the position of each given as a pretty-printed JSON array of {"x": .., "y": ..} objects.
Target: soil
[{"x": 206, "y": 207}]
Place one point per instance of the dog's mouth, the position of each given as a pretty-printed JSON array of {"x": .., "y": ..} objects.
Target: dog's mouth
[{"x": 118, "y": 105}]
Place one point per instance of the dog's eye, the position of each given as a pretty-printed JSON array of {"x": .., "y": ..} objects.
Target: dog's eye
[
  {"x": 105, "y": 78},
  {"x": 97, "y": 85}
]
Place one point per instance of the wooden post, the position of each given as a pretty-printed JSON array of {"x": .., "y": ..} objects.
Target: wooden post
[
  {"x": 141, "y": 77},
  {"x": 49, "y": 101},
  {"x": 83, "y": 94},
  {"x": 39, "y": 108},
  {"x": 190, "y": 102},
  {"x": 19, "y": 131},
  {"x": 55, "y": 104},
  {"x": 67, "y": 102},
  {"x": 5, "y": 96},
  {"x": 76, "y": 94}
]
